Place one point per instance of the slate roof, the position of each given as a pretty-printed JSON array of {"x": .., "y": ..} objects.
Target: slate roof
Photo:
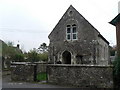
[{"x": 115, "y": 20}]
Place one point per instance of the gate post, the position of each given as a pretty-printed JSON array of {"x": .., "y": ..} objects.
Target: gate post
[{"x": 35, "y": 72}]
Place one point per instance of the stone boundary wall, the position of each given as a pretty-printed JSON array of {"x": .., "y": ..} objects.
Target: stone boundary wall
[
  {"x": 22, "y": 72},
  {"x": 26, "y": 71},
  {"x": 81, "y": 75}
]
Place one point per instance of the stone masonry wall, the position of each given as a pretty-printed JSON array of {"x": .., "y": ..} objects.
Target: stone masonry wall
[
  {"x": 25, "y": 71},
  {"x": 22, "y": 72},
  {"x": 86, "y": 45},
  {"x": 41, "y": 67},
  {"x": 81, "y": 76}
]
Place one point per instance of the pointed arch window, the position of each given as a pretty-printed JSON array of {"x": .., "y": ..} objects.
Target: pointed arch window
[
  {"x": 71, "y": 32},
  {"x": 68, "y": 32},
  {"x": 74, "y": 32}
]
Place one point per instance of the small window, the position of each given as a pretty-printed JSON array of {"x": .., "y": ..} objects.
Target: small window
[
  {"x": 68, "y": 30},
  {"x": 74, "y": 30},
  {"x": 70, "y": 12},
  {"x": 74, "y": 36},
  {"x": 68, "y": 25},
  {"x": 73, "y": 25},
  {"x": 68, "y": 37},
  {"x": 71, "y": 32}
]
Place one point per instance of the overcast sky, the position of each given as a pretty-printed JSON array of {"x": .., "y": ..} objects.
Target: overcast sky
[{"x": 31, "y": 21}]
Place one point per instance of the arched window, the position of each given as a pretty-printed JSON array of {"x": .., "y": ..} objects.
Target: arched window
[
  {"x": 74, "y": 32},
  {"x": 68, "y": 32},
  {"x": 71, "y": 32}
]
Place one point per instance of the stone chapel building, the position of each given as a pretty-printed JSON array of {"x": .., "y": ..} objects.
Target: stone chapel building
[{"x": 75, "y": 41}]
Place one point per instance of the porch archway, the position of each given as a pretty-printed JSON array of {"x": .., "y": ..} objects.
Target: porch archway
[{"x": 66, "y": 57}]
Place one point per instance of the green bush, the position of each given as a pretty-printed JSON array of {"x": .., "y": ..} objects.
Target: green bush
[
  {"x": 33, "y": 56},
  {"x": 43, "y": 56},
  {"x": 18, "y": 57}
]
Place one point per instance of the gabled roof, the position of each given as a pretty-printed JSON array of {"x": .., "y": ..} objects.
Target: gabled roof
[
  {"x": 115, "y": 20},
  {"x": 72, "y": 8},
  {"x": 60, "y": 21},
  {"x": 99, "y": 35}
]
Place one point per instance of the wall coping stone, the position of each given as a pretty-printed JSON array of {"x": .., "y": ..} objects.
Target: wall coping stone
[
  {"x": 28, "y": 63},
  {"x": 22, "y": 63},
  {"x": 79, "y": 65}
]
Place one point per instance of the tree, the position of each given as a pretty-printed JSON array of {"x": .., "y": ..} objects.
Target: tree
[
  {"x": 10, "y": 53},
  {"x": 18, "y": 58},
  {"x": 112, "y": 50},
  {"x": 33, "y": 56},
  {"x": 43, "y": 48},
  {"x": 44, "y": 52},
  {"x": 8, "y": 50},
  {"x": 43, "y": 56}
]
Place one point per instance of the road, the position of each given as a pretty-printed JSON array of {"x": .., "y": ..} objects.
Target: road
[{"x": 7, "y": 83}]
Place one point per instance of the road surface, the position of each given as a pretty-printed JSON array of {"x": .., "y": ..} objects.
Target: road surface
[{"x": 7, "y": 83}]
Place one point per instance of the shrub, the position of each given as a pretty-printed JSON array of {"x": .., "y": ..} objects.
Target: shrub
[
  {"x": 43, "y": 56},
  {"x": 18, "y": 57},
  {"x": 33, "y": 56}
]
